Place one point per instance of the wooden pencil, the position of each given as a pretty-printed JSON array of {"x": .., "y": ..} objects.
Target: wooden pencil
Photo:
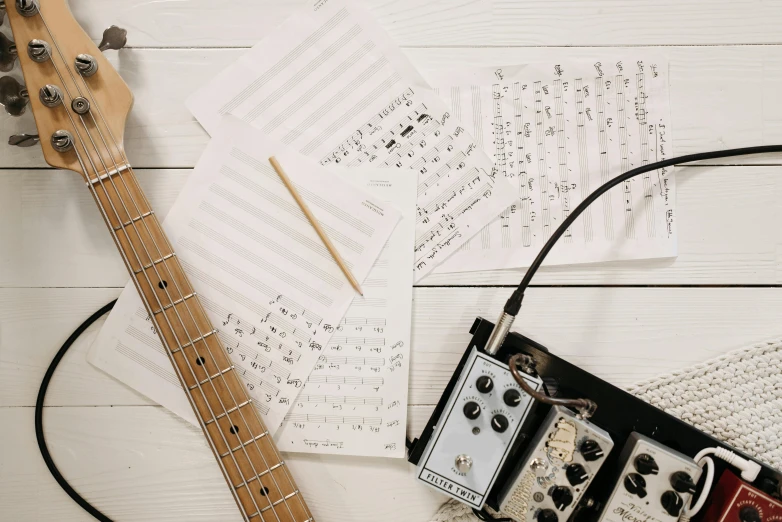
[{"x": 304, "y": 208}]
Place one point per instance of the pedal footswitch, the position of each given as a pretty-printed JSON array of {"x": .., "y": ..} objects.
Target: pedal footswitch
[
  {"x": 476, "y": 430},
  {"x": 562, "y": 459}
]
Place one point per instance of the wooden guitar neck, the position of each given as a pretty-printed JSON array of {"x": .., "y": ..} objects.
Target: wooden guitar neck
[
  {"x": 80, "y": 105},
  {"x": 256, "y": 473}
]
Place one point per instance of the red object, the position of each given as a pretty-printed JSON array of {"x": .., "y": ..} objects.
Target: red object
[{"x": 733, "y": 500}]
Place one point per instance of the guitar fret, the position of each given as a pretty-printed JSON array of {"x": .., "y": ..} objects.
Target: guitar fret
[
  {"x": 155, "y": 262},
  {"x": 178, "y": 301},
  {"x": 211, "y": 378},
  {"x": 247, "y": 443},
  {"x": 196, "y": 340},
  {"x": 130, "y": 222},
  {"x": 210, "y": 421},
  {"x": 108, "y": 174},
  {"x": 275, "y": 504}
]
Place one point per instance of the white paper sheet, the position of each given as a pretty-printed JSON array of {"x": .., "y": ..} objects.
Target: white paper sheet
[
  {"x": 331, "y": 84},
  {"x": 355, "y": 401},
  {"x": 265, "y": 279},
  {"x": 557, "y": 132}
]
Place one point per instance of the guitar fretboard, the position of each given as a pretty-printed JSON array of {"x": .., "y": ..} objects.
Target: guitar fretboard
[{"x": 247, "y": 455}]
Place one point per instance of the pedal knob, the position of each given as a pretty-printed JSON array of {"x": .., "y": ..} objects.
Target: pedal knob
[
  {"x": 512, "y": 397},
  {"x": 591, "y": 450},
  {"x": 499, "y": 423},
  {"x": 749, "y": 514},
  {"x": 548, "y": 515},
  {"x": 576, "y": 474},
  {"x": 672, "y": 503},
  {"x": 484, "y": 384},
  {"x": 635, "y": 484},
  {"x": 682, "y": 482},
  {"x": 646, "y": 465},
  {"x": 472, "y": 410},
  {"x": 561, "y": 496}
]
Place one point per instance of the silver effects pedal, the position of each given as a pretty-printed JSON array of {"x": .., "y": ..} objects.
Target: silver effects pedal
[
  {"x": 558, "y": 467},
  {"x": 475, "y": 431},
  {"x": 655, "y": 484}
]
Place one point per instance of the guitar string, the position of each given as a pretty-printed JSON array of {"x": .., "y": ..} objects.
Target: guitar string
[
  {"x": 273, "y": 446},
  {"x": 162, "y": 309},
  {"x": 281, "y": 462}
]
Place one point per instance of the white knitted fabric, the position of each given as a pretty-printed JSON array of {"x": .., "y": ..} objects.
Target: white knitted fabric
[{"x": 736, "y": 398}]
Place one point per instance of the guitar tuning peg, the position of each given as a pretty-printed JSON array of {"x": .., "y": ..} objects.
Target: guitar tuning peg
[
  {"x": 114, "y": 38},
  {"x": 13, "y": 96},
  {"x": 23, "y": 140},
  {"x": 8, "y": 53},
  {"x": 2, "y": 11}
]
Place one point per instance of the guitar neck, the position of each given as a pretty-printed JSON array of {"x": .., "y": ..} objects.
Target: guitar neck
[{"x": 246, "y": 453}]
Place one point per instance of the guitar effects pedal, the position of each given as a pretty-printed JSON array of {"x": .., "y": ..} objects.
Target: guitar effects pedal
[
  {"x": 733, "y": 500},
  {"x": 656, "y": 482},
  {"x": 559, "y": 465},
  {"x": 478, "y": 425}
]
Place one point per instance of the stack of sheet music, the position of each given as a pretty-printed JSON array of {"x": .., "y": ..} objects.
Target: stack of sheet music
[{"x": 407, "y": 179}]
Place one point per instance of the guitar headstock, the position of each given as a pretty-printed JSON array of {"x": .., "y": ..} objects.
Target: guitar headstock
[{"x": 79, "y": 101}]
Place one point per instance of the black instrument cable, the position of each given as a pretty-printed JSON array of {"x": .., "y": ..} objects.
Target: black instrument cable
[
  {"x": 512, "y": 306},
  {"x": 47, "y": 457}
]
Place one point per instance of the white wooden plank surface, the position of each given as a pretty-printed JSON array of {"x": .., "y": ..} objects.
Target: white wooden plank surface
[
  {"x": 621, "y": 334},
  {"x": 63, "y": 242},
  {"x": 721, "y": 97},
  {"x": 413, "y": 23},
  {"x": 144, "y": 464}
]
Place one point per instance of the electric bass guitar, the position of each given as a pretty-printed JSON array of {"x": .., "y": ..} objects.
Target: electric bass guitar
[{"x": 80, "y": 105}]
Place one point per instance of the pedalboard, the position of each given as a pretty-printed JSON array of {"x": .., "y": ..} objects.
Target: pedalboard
[
  {"x": 733, "y": 500},
  {"x": 559, "y": 465},
  {"x": 484, "y": 468},
  {"x": 655, "y": 483},
  {"x": 474, "y": 436}
]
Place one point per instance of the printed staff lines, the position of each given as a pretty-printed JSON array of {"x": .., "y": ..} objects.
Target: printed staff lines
[
  {"x": 340, "y": 399},
  {"x": 262, "y": 287},
  {"x": 287, "y": 206},
  {"x": 521, "y": 164},
  {"x": 602, "y": 141},
  {"x": 353, "y": 361},
  {"x": 355, "y": 143},
  {"x": 264, "y": 265},
  {"x": 273, "y": 246},
  {"x": 364, "y": 321},
  {"x": 249, "y": 355},
  {"x": 345, "y": 379},
  {"x": 332, "y": 419},
  {"x": 500, "y": 159},
  {"x": 583, "y": 159},
  {"x": 621, "y": 116},
  {"x": 284, "y": 62},
  {"x": 269, "y": 221},
  {"x": 644, "y": 137},
  {"x": 311, "y": 197},
  {"x": 542, "y": 168},
  {"x": 564, "y": 188}
]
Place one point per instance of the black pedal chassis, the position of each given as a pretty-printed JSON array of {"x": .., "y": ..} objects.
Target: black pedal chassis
[{"x": 618, "y": 412}]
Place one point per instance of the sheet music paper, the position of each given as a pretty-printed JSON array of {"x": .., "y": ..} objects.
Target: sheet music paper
[
  {"x": 355, "y": 401},
  {"x": 267, "y": 282},
  {"x": 331, "y": 84},
  {"x": 557, "y": 132}
]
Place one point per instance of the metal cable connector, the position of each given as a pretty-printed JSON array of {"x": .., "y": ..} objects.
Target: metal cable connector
[{"x": 499, "y": 333}]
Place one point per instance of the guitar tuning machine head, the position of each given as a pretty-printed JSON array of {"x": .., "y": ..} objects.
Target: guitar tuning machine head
[
  {"x": 13, "y": 96},
  {"x": 114, "y": 38},
  {"x": 24, "y": 140},
  {"x": 8, "y": 53}
]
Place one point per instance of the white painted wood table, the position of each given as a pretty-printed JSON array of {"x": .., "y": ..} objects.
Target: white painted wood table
[{"x": 623, "y": 321}]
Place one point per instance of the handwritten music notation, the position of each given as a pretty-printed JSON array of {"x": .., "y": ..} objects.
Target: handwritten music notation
[
  {"x": 557, "y": 132},
  {"x": 354, "y": 100},
  {"x": 256, "y": 264},
  {"x": 365, "y": 366}
]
